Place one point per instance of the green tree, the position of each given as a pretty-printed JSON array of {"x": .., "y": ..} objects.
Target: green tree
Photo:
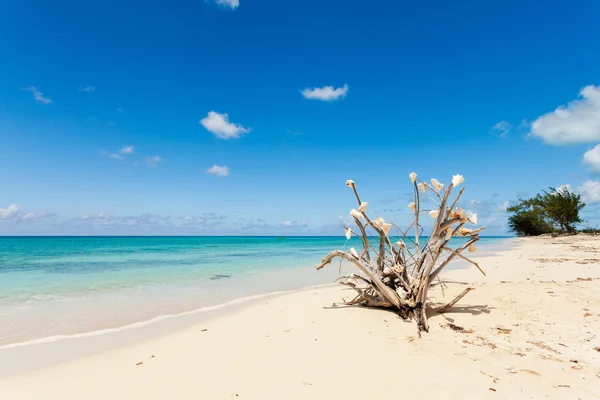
[
  {"x": 562, "y": 208},
  {"x": 528, "y": 219},
  {"x": 553, "y": 211}
]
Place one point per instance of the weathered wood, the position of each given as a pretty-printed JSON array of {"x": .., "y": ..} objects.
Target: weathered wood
[
  {"x": 453, "y": 302},
  {"x": 399, "y": 278}
]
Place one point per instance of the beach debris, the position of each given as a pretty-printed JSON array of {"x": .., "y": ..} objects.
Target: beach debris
[
  {"x": 363, "y": 207},
  {"x": 397, "y": 274},
  {"x": 152, "y": 356},
  {"x": 453, "y": 302},
  {"x": 505, "y": 331},
  {"x": 437, "y": 185},
  {"x": 204, "y": 330},
  {"x": 492, "y": 389},
  {"x": 528, "y": 371},
  {"x": 457, "y": 328},
  {"x": 457, "y": 180},
  {"x": 587, "y": 314},
  {"x": 562, "y": 386},
  {"x": 140, "y": 363},
  {"x": 219, "y": 276},
  {"x": 490, "y": 376},
  {"x": 597, "y": 349},
  {"x": 380, "y": 224},
  {"x": 356, "y": 214},
  {"x": 472, "y": 218},
  {"x": 348, "y": 233},
  {"x": 543, "y": 346}
]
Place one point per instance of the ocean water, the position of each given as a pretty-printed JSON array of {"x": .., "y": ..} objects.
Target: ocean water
[{"x": 55, "y": 286}]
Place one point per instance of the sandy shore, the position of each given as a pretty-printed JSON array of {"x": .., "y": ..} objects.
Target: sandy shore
[{"x": 530, "y": 330}]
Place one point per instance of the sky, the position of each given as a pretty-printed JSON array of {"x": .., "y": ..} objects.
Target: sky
[{"x": 246, "y": 117}]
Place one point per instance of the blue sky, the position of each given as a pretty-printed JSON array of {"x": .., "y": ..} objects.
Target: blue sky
[{"x": 201, "y": 117}]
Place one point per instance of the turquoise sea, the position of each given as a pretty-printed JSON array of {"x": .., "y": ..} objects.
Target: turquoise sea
[{"x": 55, "y": 286}]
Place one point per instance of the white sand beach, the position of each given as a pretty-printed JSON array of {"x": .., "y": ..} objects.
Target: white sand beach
[{"x": 530, "y": 330}]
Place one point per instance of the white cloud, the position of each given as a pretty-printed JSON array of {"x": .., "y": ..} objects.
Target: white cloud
[
  {"x": 35, "y": 216},
  {"x": 219, "y": 125},
  {"x": 294, "y": 224},
  {"x": 39, "y": 96},
  {"x": 116, "y": 156},
  {"x": 591, "y": 158},
  {"x": 126, "y": 150},
  {"x": 233, "y": 4},
  {"x": 561, "y": 188},
  {"x": 589, "y": 191},
  {"x": 217, "y": 170},
  {"x": 326, "y": 93},
  {"x": 10, "y": 211},
  {"x": 502, "y": 127},
  {"x": 86, "y": 88},
  {"x": 502, "y": 207},
  {"x": 153, "y": 161},
  {"x": 577, "y": 122},
  {"x": 206, "y": 220},
  {"x": 104, "y": 216}
]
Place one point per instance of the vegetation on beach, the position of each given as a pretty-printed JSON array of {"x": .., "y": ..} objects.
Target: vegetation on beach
[
  {"x": 554, "y": 211},
  {"x": 398, "y": 272}
]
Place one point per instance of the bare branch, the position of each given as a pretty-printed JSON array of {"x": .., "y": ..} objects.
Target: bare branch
[{"x": 453, "y": 302}]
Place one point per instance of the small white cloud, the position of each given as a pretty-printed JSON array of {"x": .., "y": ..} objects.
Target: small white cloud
[
  {"x": 10, "y": 211},
  {"x": 233, "y": 4},
  {"x": 326, "y": 93},
  {"x": 562, "y": 188},
  {"x": 217, "y": 170},
  {"x": 206, "y": 220},
  {"x": 126, "y": 150},
  {"x": 35, "y": 216},
  {"x": 502, "y": 128},
  {"x": 591, "y": 158},
  {"x": 86, "y": 88},
  {"x": 153, "y": 161},
  {"x": 502, "y": 207},
  {"x": 219, "y": 125},
  {"x": 590, "y": 192},
  {"x": 294, "y": 224},
  {"x": 39, "y": 96},
  {"x": 577, "y": 122}
]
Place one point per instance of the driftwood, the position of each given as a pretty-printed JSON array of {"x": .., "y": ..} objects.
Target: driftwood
[
  {"x": 397, "y": 273},
  {"x": 453, "y": 302}
]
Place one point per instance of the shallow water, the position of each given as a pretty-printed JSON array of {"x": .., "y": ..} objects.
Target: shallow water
[{"x": 53, "y": 286}]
